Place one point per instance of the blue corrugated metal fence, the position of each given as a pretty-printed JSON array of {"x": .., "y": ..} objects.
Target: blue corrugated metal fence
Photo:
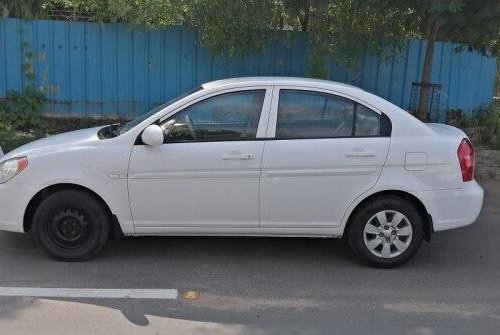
[{"x": 116, "y": 70}]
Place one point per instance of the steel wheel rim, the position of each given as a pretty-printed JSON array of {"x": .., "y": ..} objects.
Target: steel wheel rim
[
  {"x": 69, "y": 229},
  {"x": 388, "y": 234}
]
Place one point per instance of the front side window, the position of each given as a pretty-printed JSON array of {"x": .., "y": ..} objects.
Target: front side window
[
  {"x": 226, "y": 117},
  {"x": 126, "y": 127},
  {"x": 306, "y": 114}
]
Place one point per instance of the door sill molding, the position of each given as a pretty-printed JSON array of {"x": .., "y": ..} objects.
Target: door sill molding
[{"x": 263, "y": 232}]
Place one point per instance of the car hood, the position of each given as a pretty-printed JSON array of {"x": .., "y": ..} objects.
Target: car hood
[{"x": 56, "y": 142}]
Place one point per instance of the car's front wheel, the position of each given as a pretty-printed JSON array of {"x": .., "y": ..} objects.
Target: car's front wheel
[
  {"x": 71, "y": 225},
  {"x": 386, "y": 232}
]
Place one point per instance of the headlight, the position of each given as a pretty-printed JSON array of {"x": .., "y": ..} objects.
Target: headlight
[{"x": 12, "y": 167}]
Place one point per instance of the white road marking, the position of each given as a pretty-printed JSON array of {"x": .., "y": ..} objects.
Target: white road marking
[{"x": 88, "y": 293}]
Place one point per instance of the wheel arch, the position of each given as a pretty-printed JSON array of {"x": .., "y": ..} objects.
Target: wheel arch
[
  {"x": 37, "y": 199},
  {"x": 428, "y": 225}
]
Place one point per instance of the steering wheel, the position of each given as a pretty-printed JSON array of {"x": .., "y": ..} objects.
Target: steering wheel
[{"x": 189, "y": 124}]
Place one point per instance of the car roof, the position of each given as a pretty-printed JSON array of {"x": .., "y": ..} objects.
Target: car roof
[{"x": 278, "y": 81}]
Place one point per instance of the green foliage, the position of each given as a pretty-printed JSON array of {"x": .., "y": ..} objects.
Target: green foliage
[
  {"x": 490, "y": 119},
  {"x": 475, "y": 23},
  {"x": 21, "y": 111},
  {"x": 297, "y": 14},
  {"x": 11, "y": 139},
  {"x": 469, "y": 122},
  {"x": 27, "y": 66},
  {"x": 354, "y": 28},
  {"x": 150, "y": 13},
  {"x": 317, "y": 60},
  {"x": 342, "y": 29},
  {"x": 495, "y": 142},
  {"x": 233, "y": 27},
  {"x": 26, "y": 9},
  {"x": 20, "y": 120}
]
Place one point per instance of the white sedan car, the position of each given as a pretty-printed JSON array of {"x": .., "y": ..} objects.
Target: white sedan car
[{"x": 262, "y": 156}]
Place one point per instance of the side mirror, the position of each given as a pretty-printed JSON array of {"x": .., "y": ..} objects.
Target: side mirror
[{"x": 152, "y": 135}]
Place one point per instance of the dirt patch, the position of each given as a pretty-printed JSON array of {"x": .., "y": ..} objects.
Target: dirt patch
[{"x": 487, "y": 164}]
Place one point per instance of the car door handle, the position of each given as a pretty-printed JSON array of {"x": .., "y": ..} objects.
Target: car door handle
[
  {"x": 237, "y": 157},
  {"x": 360, "y": 154}
]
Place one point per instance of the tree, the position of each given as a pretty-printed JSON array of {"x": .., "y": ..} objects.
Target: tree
[
  {"x": 353, "y": 28},
  {"x": 28, "y": 9},
  {"x": 348, "y": 29},
  {"x": 473, "y": 23},
  {"x": 149, "y": 13},
  {"x": 380, "y": 27},
  {"x": 233, "y": 27},
  {"x": 342, "y": 29}
]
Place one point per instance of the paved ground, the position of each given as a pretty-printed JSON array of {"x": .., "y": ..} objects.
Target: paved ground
[{"x": 264, "y": 286}]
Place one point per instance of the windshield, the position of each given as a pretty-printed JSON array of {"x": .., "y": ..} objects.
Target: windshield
[{"x": 127, "y": 126}]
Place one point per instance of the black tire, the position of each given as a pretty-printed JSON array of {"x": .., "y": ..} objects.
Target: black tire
[
  {"x": 71, "y": 225},
  {"x": 356, "y": 233}
]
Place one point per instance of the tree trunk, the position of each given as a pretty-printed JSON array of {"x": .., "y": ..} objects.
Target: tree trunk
[
  {"x": 4, "y": 9},
  {"x": 304, "y": 21},
  {"x": 423, "y": 99}
]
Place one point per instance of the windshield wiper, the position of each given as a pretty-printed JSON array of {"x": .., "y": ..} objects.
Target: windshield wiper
[
  {"x": 109, "y": 131},
  {"x": 115, "y": 129}
]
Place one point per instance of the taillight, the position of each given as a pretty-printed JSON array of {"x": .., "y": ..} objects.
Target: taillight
[{"x": 465, "y": 154}]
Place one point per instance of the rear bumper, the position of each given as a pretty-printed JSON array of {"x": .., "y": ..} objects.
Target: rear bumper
[{"x": 453, "y": 208}]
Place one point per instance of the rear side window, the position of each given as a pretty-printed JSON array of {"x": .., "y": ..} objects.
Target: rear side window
[
  {"x": 367, "y": 122},
  {"x": 307, "y": 114},
  {"x": 226, "y": 117}
]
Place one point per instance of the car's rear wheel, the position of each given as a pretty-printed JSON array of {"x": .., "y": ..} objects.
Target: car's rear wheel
[
  {"x": 71, "y": 225},
  {"x": 386, "y": 232}
]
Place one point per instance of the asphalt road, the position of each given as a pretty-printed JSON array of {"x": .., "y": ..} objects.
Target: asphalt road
[{"x": 263, "y": 286}]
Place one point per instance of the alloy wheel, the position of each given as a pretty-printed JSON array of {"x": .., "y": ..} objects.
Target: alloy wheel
[{"x": 387, "y": 234}]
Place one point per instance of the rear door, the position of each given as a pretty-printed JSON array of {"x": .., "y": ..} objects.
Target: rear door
[{"x": 324, "y": 150}]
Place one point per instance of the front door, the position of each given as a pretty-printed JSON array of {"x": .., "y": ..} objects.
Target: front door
[
  {"x": 325, "y": 152},
  {"x": 206, "y": 174}
]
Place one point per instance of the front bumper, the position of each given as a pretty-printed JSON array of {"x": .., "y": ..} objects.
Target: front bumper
[
  {"x": 14, "y": 199},
  {"x": 453, "y": 208}
]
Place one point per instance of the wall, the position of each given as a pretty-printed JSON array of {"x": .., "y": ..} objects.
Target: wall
[{"x": 114, "y": 70}]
